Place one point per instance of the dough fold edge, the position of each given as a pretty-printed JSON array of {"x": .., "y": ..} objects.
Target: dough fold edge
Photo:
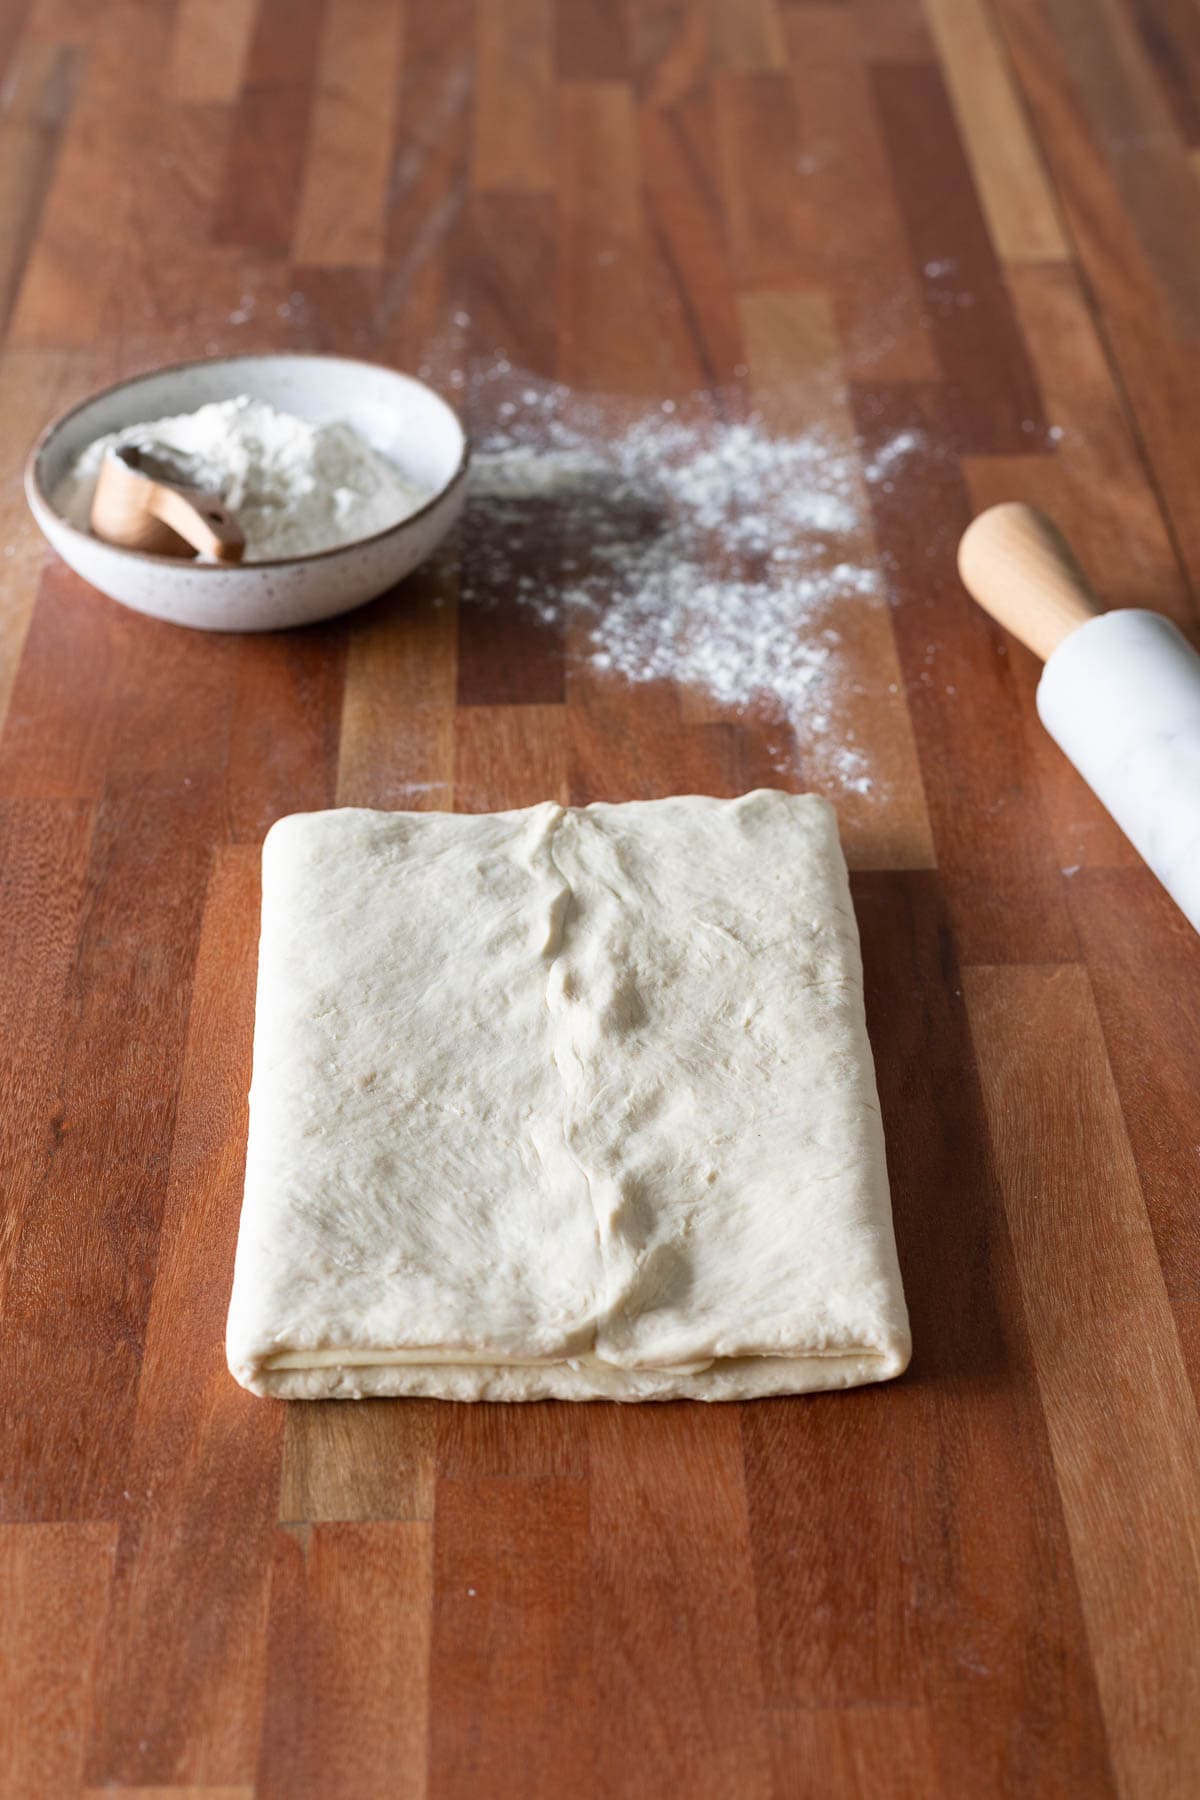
[{"x": 735, "y": 1378}]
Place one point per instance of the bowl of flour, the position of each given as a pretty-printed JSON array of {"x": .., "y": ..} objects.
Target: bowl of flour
[{"x": 343, "y": 475}]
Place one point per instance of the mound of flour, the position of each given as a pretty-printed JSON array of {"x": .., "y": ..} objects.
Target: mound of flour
[{"x": 295, "y": 486}]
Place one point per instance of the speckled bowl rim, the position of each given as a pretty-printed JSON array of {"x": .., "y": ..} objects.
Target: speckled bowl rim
[{"x": 36, "y": 492}]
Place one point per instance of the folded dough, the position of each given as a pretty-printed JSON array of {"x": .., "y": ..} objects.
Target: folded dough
[{"x": 557, "y": 1102}]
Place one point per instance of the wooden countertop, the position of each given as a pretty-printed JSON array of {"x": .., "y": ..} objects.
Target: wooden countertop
[{"x": 974, "y": 221}]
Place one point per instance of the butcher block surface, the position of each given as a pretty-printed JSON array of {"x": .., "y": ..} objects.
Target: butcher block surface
[{"x": 967, "y": 224}]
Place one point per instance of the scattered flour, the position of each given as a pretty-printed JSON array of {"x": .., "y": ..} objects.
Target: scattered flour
[
  {"x": 296, "y": 487},
  {"x": 707, "y": 553}
]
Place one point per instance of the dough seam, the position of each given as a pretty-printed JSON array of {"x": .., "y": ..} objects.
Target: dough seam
[
  {"x": 570, "y": 907},
  {"x": 421, "y": 1358}
]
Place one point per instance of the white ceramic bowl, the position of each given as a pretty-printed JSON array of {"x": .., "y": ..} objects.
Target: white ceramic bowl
[{"x": 400, "y": 417}]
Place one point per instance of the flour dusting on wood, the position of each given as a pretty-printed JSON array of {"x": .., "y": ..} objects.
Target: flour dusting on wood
[{"x": 707, "y": 552}]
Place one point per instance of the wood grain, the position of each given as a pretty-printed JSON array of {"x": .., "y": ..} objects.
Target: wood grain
[
  {"x": 675, "y": 1647},
  {"x": 397, "y": 727},
  {"x": 636, "y": 745},
  {"x": 793, "y": 350},
  {"x": 174, "y": 1793},
  {"x": 983, "y": 1593},
  {"x": 992, "y": 398},
  {"x": 428, "y": 187},
  {"x": 349, "y": 1667},
  {"x": 506, "y": 272},
  {"x": 1123, "y": 1428},
  {"x": 73, "y": 260},
  {"x": 953, "y": 240},
  {"x": 1170, "y": 33},
  {"x": 511, "y": 1614},
  {"x": 44, "y": 850},
  {"x": 374, "y": 1461},
  {"x": 200, "y": 1501},
  {"x": 138, "y": 927},
  {"x": 284, "y": 744},
  {"x": 1014, "y": 193},
  {"x": 1103, "y": 496},
  {"x": 678, "y": 161},
  {"x": 28, "y": 380},
  {"x": 767, "y": 212},
  {"x": 1003, "y": 878},
  {"x": 860, "y": 1752},
  {"x": 534, "y": 744},
  {"x": 1122, "y": 100},
  {"x": 55, "y": 1581},
  {"x": 1095, "y": 485},
  {"x": 264, "y": 169},
  {"x": 209, "y": 49},
  {"x": 342, "y": 207},
  {"x": 514, "y": 143},
  {"x": 1147, "y": 990},
  {"x": 1153, "y": 354},
  {"x": 507, "y": 655},
  {"x": 856, "y": 247},
  {"x": 602, "y": 285},
  {"x": 746, "y": 37},
  {"x": 41, "y": 92},
  {"x": 590, "y": 42},
  {"x": 57, "y": 728},
  {"x": 482, "y": 1441}
]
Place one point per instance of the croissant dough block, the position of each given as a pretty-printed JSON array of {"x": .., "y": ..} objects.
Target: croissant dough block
[{"x": 558, "y": 1102}]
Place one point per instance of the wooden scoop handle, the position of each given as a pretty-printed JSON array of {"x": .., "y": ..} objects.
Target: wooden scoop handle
[
  {"x": 202, "y": 519},
  {"x": 135, "y": 507},
  {"x": 1020, "y": 568}
]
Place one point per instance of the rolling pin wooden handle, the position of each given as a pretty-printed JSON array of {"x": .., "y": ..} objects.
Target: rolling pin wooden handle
[
  {"x": 1017, "y": 564},
  {"x": 203, "y": 519}
]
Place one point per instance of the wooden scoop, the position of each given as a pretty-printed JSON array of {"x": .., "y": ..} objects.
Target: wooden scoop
[{"x": 144, "y": 503}]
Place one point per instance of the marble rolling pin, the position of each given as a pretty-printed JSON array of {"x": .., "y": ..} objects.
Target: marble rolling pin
[{"x": 1120, "y": 693}]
